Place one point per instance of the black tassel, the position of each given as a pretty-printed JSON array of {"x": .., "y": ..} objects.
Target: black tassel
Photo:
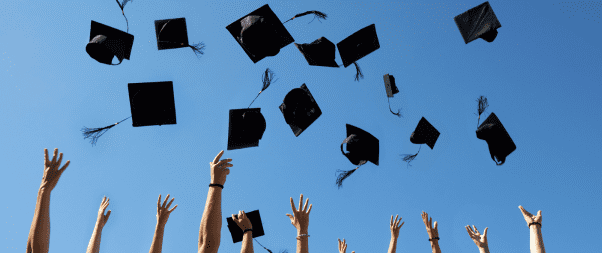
[
  {"x": 343, "y": 175},
  {"x": 262, "y": 246},
  {"x": 198, "y": 49},
  {"x": 123, "y": 6},
  {"x": 358, "y": 73},
  {"x": 267, "y": 78},
  {"x": 409, "y": 158},
  {"x": 283, "y": 251},
  {"x": 317, "y": 14},
  {"x": 95, "y": 133},
  {"x": 482, "y": 106},
  {"x": 398, "y": 111}
]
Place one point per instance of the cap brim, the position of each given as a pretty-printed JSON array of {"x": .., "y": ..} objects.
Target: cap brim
[{"x": 121, "y": 39}]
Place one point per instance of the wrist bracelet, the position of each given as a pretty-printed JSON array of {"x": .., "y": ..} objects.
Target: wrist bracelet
[
  {"x": 534, "y": 223},
  {"x": 299, "y": 237},
  {"x": 430, "y": 240},
  {"x": 217, "y": 185},
  {"x": 247, "y": 230}
]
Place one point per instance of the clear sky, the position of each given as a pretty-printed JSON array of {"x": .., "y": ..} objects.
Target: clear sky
[{"x": 541, "y": 76}]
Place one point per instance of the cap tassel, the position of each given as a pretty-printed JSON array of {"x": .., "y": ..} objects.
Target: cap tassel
[
  {"x": 398, "y": 111},
  {"x": 482, "y": 106},
  {"x": 95, "y": 133},
  {"x": 409, "y": 158},
  {"x": 198, "y": 49},
  {"x": 358, "y": 73},
  {"x": 126, "y": 19},
  {"x": 346, "y": 173},
  {"x": 267, "y": 77},
  {"x": 262, "y": 246},
  {"x": 317, "y": 14}
]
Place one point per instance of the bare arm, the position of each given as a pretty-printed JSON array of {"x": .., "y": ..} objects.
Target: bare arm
[
  {"x": 479, "y": 239},
  {"x": 247, "y": 242},
  {"x": 432, "y": 231},
  {"x": 245, "y": 225},
  {"x": 101, "y": 220},
  {"x": 435, "y": 246},
  {"x": 38, "y": 240},
  {"x": 302, "y": 241},
  {"x": 163, "y": 213},
  {"x": 534, "y": 223},
  {"x": 300, "y": 219},
  {"x": 394, "y": 226},
  {"x": 211, "y": 222}
]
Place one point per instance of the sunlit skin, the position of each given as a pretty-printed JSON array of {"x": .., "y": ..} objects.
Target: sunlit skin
[
  {"x": 300, "y": 220},
  {"x": 163, "y": 213},
  {"x": 343, "y": 246},
  {"x": 536, "y": 243},
  {"x": 243, "y": 223},
  {"x": 211, "y": 222},
  {"x": 394, "y": 226},
  {"x": 479, "y": 239},
  {"x": 101, "y": 220},
  {"x": 432, "y": 231},
  {"x": 38, "y": 240}
]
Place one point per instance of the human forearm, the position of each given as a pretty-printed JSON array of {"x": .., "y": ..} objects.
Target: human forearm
[
  {"x": 484, "y": 249},
  {"x": 302, "y": 241},
  {"x": 157, "y": 244},
  {"x": 435, "y": 246},
  {"x": 536, "y": 239},
  {"x": 392, "y": 245},
  {"x": 94, "y": 245},
  {"x": 39, "y": 232},
  {"x": 211, "y": 222},
  {"x": 247, "y": 243}
]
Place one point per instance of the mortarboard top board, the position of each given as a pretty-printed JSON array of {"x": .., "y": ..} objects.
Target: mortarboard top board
[
  {"x": 171, "y": 33},
  {"x": 321, "y": 52},
  {"x": 478, "y": 22},
  {"x": 391, "y": 90},
  {"x": 358, "y": 45},
  {"x": 256, "y": 223},
  {"x": 300, "y": 110},
  {"x": 246, "y": 128},
  {"x": 152, "y": 103},
  {"x": 361, "y": 145},
  {"x": 260, "y": 33},
  {"x": 425, "y": 133},
  {"x": 107, "y": 42},
  {"x": 497, "y": 138}
]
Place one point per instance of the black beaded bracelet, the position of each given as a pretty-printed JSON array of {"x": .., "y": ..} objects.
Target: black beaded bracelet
[
  {"x": 217, "y": 185},
  {"x": 433, "y": 239},
  {"x": 534, "y": 223},
  {"x": 247, "y": 230}
]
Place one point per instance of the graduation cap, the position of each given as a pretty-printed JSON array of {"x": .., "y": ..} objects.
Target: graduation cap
[
  {"x": 497, "y": 138},
  {"x": 237, "y": 233},
  {"x": 151, "y": 104},
  {"x": 425, "y": 133},
  {"x": 391, "y": 89},
  {"x": 358, "y": 45},
  {"x": 478, "y": 22},
  {"x": 172, "y": 33},
  {"x": 107, "y": 42},
  {"x": 261, "y": 34},
  {"x": 300, "y": 109},
  {"x": 362, "y": 147},
  {"x": 321, "y": 52}
]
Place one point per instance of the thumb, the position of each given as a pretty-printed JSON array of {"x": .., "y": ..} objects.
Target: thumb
[
  {"x": 539, "y": 213},
  {"x": 485, "y": 232},
  {"x": 107, "y": 216}
]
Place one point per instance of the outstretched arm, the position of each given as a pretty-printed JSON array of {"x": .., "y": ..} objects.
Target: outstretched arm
[
  {"x": 39, "y": 233},
  {"x": 101, "y": 220},
  {"x": 163, "y": 213},
  {"x": 394, "y": 226},
  {"x": 479, "y": 239},
  {"x": 211, "y": 222},
  {"x": 433, "y": 232},
  {"x": 300, "y": 219},
  {"x": 247, "y": 229},
  {"x": 534, "y": 223}
]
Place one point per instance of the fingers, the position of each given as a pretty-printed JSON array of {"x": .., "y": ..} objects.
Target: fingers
[
  {"x": 46, "y": 161},
  {"x": 290, "y": 216},
  {"x": 475, "y": 229},
  {"x": 293, "y": 205},
  {"x": 60, "y": 159},
  {"x": 234, "y": 218},
  {"x": 65, "y": 166},
  {"x": 435, "y": 227},
  {"x": 309, "y": 209},
  {"x": 218, "y": 156},
  {"x": 525, "y": 212},
  {"x": 107, "y": 216},
  {"x": 165, "y": 201},
  {"x": 169, "y": 204},
  {"x": 391, "y": 222},
  {"x": 539, "y": 213},
  {"x": 305, "y": 206},
  {"x": 174, "y": 208},
  {"x": 300, "y": 202},
  {"x": 485, "y": 232},
  {"x": 56, "y": 150},
  {"x": 227, "y": 171},
  {"x": 401, "y": 224}
]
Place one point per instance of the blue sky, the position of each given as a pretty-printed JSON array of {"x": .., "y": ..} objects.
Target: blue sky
[{"x": 541, "y": 76}]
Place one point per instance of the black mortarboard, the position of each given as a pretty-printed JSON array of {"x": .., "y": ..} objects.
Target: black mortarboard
[
  {"x": 497, "y": 138},
  {"x": 358, "y": 45},
  {"x": 260, "y": 33},
  {"x": 300, "y": 109},
  {"x": 107, "y": 42},
  {"x": 321, "y": 52},
  {"x": 151, "y": 104},
  {"x": 172, "y": 33},
  {"x": 246, "y": 128},
  {"x": 362, "y": 146},
  {"x": 425, "y": 133},
  {"x": 391, "y": 89},
  {"x": 256, "y": 223},
  {"x": 478, "y": 22}
]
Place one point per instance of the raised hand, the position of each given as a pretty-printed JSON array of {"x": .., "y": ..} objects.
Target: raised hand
[
  {"x": 530, "y": 218},
  {"x": 242, "y": 220},
  {"x": 343, "y": 246},
  {"x": 300, "y": 217},
  {"x": 477, "y": 238},
  {"x": 162, "y": 210},
  {"x": 102, "y": 219},
  {"x": 430, "y": 229},
  {"x": 51, "y": 170},
  {"x": 394, "y": 226},
  {"x": 219, "y": 169}
]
